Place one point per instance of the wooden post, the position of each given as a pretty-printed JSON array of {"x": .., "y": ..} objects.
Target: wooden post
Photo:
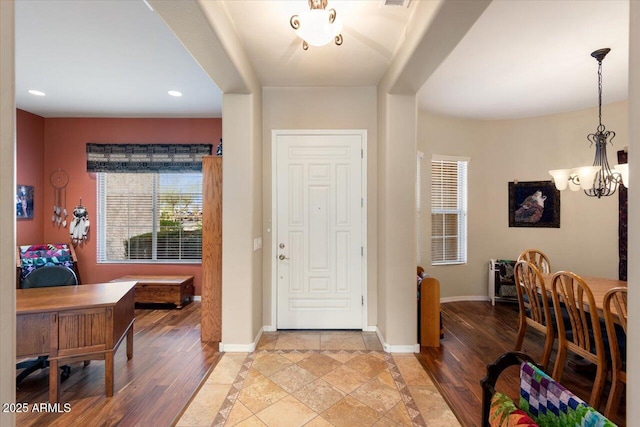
[
  {"x": 430, "y": 312},
  {"x": 211, "y": 291}
]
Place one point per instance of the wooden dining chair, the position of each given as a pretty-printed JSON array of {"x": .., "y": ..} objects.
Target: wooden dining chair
[
  {"x": 616, "y": 297},
  {"x": 534, "y": 310},
  {"x": 585, "y": 337},
  {"x": 537, "y": 258}
]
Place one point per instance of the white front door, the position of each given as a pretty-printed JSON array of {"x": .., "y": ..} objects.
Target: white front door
[{"x": 319, "y": 240}]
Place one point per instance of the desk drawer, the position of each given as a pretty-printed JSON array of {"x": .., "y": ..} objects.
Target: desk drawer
[{"x": 27, "y": 343}]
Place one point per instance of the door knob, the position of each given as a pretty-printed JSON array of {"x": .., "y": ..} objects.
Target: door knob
[{"x": 281, "y": 257}]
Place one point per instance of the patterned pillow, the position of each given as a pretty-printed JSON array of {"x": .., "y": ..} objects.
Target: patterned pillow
[{"x": 503, "y": 413}]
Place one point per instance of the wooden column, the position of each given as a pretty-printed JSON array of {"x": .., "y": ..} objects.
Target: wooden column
[
  {"x": 211, "y": 291},
  {"x": 430, "y": 312}
]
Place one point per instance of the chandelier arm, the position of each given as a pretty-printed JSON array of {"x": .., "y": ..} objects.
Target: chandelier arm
[
  {"x": 332, "y": 15},
  {"x": 295, "y": 22},
  {"x": 338, "y": 39}
]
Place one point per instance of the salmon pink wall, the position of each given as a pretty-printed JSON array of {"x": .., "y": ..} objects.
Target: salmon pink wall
[
  {"x": 30, "y": 171},
  {"x": 65, "y": 142}
]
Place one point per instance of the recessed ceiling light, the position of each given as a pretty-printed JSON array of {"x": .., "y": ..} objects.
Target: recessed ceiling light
[
  {"x": 36, "y": 92},
  {"x": 174, "y": 93}
]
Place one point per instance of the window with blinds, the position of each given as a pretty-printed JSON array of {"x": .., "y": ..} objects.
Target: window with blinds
[
  {"x": 149, "y": 217},
  {"x": 448, "y": 210}
]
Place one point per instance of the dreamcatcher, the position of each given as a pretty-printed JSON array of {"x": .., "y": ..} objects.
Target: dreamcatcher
[
  {"x": 59, "y": 180},
  {"x": 79, "y": 227}
]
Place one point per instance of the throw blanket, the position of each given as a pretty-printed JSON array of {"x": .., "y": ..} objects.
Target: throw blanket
[
  {"x": 550, "y": 404},
  {"x": 35, "y": 256}
]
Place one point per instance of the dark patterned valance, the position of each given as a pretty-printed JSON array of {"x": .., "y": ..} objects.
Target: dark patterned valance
[{"x": 164, "y": 158}]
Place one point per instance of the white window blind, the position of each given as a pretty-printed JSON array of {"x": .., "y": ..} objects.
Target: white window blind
[
  {"x": 448, "y": 210},
  {"x": 149, "y": 217}
]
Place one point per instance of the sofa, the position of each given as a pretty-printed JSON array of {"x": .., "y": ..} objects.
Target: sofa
[{"x": 542, "y": 401}]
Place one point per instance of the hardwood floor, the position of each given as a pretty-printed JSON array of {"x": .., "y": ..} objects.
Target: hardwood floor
[
  {"x": 475, "y": 335},
  {"x": 152, "y": 389},
  {"x": 170, "y": 362}
]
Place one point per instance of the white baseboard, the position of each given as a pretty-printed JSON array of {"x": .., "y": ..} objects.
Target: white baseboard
[
  {"x": 197, "y": 298},
  {"x": 241, "y": 348},
  {"x": 465, "y": 298},
  {"x": 269, "y": 328},
  {"x": 369, "y": 329},
  {"x": 410, "y": 348}
]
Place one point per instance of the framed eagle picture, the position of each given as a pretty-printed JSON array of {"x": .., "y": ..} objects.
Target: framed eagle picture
[{"x": 534, "y": 204}]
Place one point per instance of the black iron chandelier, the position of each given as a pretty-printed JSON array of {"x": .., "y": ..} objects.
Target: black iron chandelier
[{"x": 597, "y": 180}]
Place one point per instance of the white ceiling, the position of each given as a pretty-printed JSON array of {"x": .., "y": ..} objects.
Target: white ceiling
[
  {"x": 118, "y": 58},
  {"x": 103, "y": 59},
  {"x": 371, "y": 33},
  {"x": 532, "y": 58}
]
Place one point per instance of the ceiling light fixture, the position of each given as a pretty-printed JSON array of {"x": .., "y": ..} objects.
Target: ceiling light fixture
[
  {"x": 36, "y": 92},
  {"x": 317, "y": 26},
  {"x": 597, "y": 180},
  {"x": 175, "y": 93}
]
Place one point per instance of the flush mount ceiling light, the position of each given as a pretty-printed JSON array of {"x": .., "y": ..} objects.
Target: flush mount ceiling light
[
  {"x": 597, "y": 180},
  {"x": 174, "y": 93},
  {"x": 36, "y": 92},
  {"x": 317, "y": 26}
]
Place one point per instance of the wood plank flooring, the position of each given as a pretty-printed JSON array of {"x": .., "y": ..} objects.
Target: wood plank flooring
[
  {"x": 152, "y": 389},
  {"x": 170, "y": 362},
  {"x": 475, "y": 335}
]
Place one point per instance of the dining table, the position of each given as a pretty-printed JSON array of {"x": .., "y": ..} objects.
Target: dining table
[{"x": 599, "y": 287}]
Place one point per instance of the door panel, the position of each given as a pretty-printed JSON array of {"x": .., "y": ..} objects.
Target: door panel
[{"x": 319, "y": 231}]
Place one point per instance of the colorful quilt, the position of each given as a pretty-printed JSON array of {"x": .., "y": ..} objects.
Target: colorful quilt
[
  {"x": 550, "y": 404},
  {"x": 35, "y": 256},
  {"x": 504, "y": 413}
]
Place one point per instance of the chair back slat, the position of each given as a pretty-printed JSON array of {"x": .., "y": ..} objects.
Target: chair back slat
[
  {"x": 537, "y": 258},
  {"x": 534, "y": 306},
  {"x": 616, "y": 297},
  {"x": 572, "y": 294}
]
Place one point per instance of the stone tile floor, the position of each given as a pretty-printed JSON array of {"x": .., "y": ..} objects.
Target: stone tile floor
[{"x": 318, "y": 379}]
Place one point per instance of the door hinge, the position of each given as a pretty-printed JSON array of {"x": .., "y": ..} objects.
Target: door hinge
[
  {"x": 362, "y": 299},
  {"x": 362, "y": 202},
  {"x": 362, "y": 153},
  {"x": 361, "y": 250}
]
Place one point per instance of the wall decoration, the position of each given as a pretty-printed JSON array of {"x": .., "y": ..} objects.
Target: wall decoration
[
  {"x": 24, "y": 202},
  {"x": 59, "y": 180},
  {"x": 146, "y": 158},
  {"x": 534, "y": 204},
  {"x": 79, "y": 226}
]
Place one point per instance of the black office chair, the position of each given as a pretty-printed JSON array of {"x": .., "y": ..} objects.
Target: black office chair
[{"x": 47, "y": 276}]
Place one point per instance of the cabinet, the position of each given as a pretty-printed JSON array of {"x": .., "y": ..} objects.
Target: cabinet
[{"x": 211, "y": 291}]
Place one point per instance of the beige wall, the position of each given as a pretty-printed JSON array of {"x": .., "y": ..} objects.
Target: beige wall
[
  {"x": 241, "y": 220},
  {"x": 633, "y": 349},
  {"x": 525, "y": 149},
  {"x": 7, "y": 211},
  {"x": 397, "y": 115},
  {"x": 320, "y": 108}
]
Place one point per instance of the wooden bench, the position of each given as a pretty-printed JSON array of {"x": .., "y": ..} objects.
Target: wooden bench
[{"x": 161, "y": 289}]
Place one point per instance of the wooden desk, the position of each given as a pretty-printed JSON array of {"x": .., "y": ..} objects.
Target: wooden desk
[
  {"x": 161, "y": 288},
  {"x": 74, "y": 323}
]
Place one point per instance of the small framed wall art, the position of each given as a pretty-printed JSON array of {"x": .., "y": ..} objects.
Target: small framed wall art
[
  {"x": 534, "y": 204},
  {"x": 24, "y": 202}
]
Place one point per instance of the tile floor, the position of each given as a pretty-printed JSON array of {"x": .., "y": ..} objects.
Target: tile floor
[{"x": 318, "y": 379}]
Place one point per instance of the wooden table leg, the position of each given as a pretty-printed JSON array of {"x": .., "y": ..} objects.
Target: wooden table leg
[
  {"x": 108, "y": 373},
  {"x": 54, "y": 381},
  {"x": 130, "y": 343}
]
